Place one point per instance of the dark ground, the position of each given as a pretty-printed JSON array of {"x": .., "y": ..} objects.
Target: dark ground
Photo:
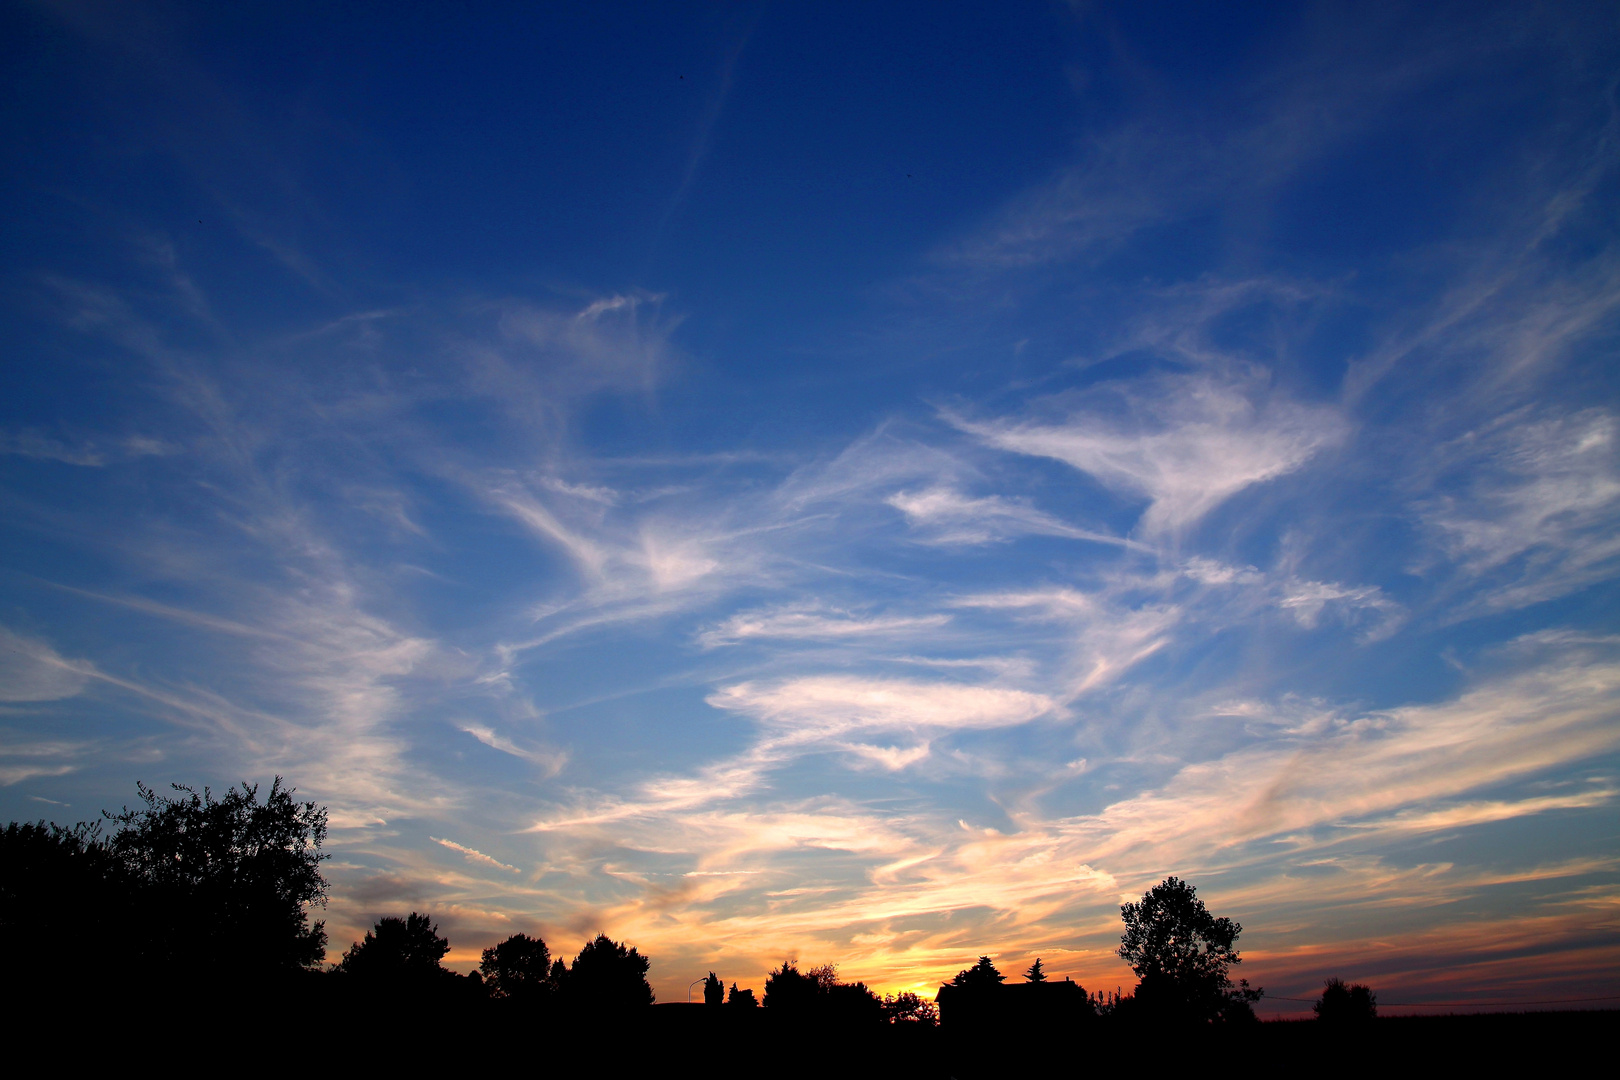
[{"x": 237, "y": 1029}]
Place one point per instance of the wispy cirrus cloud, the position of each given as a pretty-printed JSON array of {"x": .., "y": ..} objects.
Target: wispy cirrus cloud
[
  {"x": 1360, "y": 775},
  {"x": 1362, "y": 605},
  {"x": 613, "y": 343},
  {"x": 813, "y": 708},
  {"x": 1184, "y": 444},
  {"x": 32, "y": 443},
  {"x": 31, "y": 670},
  {"x": 1106, "y": 637},
  {"x": 942, "y": 515},
  {"x": 1535, "y": 513},
  {"x": 550, "y": 761},
  {"x": 25, "y": 758},
  {"x": 816, "y": 623}
]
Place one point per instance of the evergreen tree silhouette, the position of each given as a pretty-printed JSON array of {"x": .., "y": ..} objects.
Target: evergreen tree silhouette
[
  {"x": 1035, "y": 974},
  {"x": 981, "y": 974}
]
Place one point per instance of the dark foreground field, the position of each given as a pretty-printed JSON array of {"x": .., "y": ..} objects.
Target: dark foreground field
[{"x": 239, "y": 1031}]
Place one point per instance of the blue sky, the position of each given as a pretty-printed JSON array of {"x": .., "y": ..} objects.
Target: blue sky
[{"x": 874, "y": 484}]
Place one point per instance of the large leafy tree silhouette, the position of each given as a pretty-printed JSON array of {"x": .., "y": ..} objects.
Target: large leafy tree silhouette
[
  {"x": 398, "y": 950},
  {"x": 1183, "y": 956},
  {"x": 519, "y": 967},
  {"x": 224, "y": 883},
  {"x": 607, "y": 976},
  {"x": 788, "y": 988},
  {"x": 817, "y": 994}
]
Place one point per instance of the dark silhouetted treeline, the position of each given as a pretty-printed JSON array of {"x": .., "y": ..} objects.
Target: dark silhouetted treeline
[
  {"x": 181, "y": 932},
  {"x": 190, "y": 886}
]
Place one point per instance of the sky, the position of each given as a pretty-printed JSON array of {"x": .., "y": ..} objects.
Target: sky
[{"x": 867, "y": 484}]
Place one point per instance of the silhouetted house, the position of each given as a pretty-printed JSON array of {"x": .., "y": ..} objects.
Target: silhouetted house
[{"x": 1030, "y": 1008}]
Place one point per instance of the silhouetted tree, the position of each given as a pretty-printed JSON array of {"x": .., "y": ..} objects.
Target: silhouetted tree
[
  {"x": 1035, "y": 974},
  {"x": 225, "y": 883},
  {"x": 1104, "y": 1003},
  {"x": 818, "y": 993},
  {"x": 788, "y": 988},
  {"x": 714, "y": 991},
  {"x": 608, "y": 977},
  {"x": 1182, "y": 954},
  {"x": 826, "y": 976},
  {"x": 852, "y": 1003},
  {"x": 908, "y": 1008},
  {"x": 742, "y": 998},
  {"x": 519, "y": 967},
  {"x": 983, "y": 973},
  {"x": 398, "y": 951},
  {"x": 1345, "y": 1005}
]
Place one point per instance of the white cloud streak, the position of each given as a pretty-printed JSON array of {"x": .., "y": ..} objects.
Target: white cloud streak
[
  {"x": 30, "y": 670},
  {"x": 551, "y": 762},
  {"x": 816, "y": 623},
  {"x": 814, "y": 708},
  {"x": 1185, "y": 444},
  {"x": 1534, "y": 515},
  {"x": 474, "y": 855},
  {"x": 945, "y": 516}
]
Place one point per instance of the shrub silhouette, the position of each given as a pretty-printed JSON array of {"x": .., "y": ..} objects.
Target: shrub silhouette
[
  {"x": 608, "y": 977},
  {"x": 742, "y": 998},
  {"x": 398, "y": 951},
  {"x": 714, "y": 991},
  {"x": 1345, "y": 1005},
  {"x": 519, "y": 967},
  {"x": 1182, "y": 954}
]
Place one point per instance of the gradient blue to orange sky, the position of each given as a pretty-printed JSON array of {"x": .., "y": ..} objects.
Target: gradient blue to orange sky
[{"x": 869, "y": 483}]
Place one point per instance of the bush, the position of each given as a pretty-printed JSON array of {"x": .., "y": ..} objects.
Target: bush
[{"x": 1341, "y": 1004}]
